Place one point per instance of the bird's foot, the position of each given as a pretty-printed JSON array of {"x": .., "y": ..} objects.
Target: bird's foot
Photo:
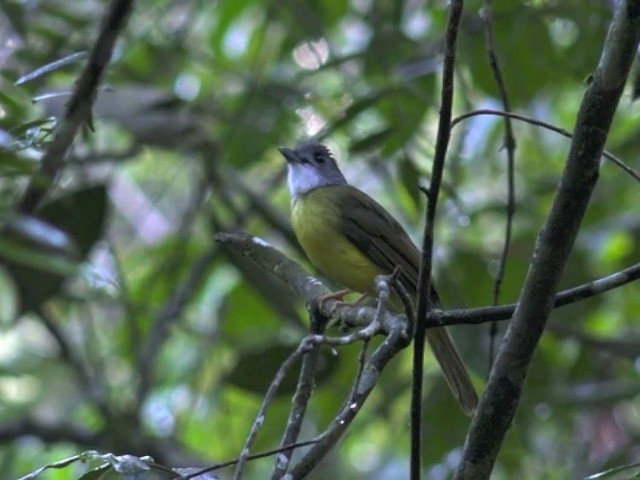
[{"x": 338, "y": 302}]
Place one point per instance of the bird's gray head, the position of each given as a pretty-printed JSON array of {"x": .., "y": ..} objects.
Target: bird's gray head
[{"x": 310, "y": 166}]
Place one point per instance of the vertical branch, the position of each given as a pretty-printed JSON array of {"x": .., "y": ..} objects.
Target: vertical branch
[
  {"x": 555, "y": 241},
  {"x": 304, "y": 389},
  {"x": 79, "y": 107},
  {"x": 510, "y": 146},
  {"x": 424, "y": 278}
]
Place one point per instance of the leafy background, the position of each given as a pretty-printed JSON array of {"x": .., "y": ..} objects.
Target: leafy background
[{"x": 162, "y": 343}]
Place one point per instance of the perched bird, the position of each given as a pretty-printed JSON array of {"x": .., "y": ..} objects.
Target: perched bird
[{"x": 351, "y": 238}]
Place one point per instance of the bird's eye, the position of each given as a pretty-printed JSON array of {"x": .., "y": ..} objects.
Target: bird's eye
[{"x": 319, "y": 158}]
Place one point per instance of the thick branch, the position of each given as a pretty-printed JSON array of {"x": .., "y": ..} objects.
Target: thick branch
[
  {"x": 310, "y": 289},
  {"x": 498, "y": 404}
]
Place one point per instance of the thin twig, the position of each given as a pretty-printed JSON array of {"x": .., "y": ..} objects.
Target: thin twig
[
  {"x": 309, "y": 288},
  {"x": 476, "y": 316},
  {"x": 394, "y": 343},
  {"x": 302, "y": 395},
  {"x": 424, "y": 277},
  {"x": 510, "y": 146},
  {"x": 309, "y": 343},
  {"x": 78, "y": 109},
  {"x": 304, "y": 346},
  {"x": 539, "y": 123},
  {"x": 255, "y": 456}
]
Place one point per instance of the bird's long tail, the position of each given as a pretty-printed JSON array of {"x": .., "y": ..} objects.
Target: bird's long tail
[{"x": 454, "y": 370}]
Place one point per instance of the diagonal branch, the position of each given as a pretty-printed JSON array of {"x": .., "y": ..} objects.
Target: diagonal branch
[
  {"x": 79, "y": 107},
  {"x": 539, "y": 123},
  {"x": 555, "y": 241}
]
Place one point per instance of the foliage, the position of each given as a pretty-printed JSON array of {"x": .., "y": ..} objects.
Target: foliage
[{"x": 126, "y": 329}]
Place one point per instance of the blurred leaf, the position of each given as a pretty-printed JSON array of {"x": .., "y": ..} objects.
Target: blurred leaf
[
  {"x": 630, "y": 471},
  {"x": 32, "y": 124},
  {"x": 371, "y": 141},
  {"x": 97, "y": 473},
  {"x": 38, "y": 234},
  {"x": 11, "y": 105},
  {"x": 256, "y": 370},
  {"x": 410, "y": 176},
  {"x": 14, "y": 12},
  {"x": 635, "y": 82},
  {"x": 129, "y": 466},
  {"x": 51, "y": 67},
  {"x": 79, "y": 217},
  {"x": 81, "y": 214}
]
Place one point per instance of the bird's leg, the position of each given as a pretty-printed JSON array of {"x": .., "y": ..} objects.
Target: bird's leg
[{"x": 339, "y": 296}]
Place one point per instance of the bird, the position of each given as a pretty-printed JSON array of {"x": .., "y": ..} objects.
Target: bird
[{"x": 351, "y": 239}]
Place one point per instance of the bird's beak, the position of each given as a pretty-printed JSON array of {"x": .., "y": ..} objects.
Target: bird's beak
[{"x": 290, "y": 155}]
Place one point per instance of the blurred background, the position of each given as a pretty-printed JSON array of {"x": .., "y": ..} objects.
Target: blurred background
[{"x": 125, "y": 328}]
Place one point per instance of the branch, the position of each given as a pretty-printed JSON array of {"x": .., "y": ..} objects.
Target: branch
[
  {"x": 539, "y": 123},
  {"x": 366, "y": 381},
  {"x": 424, "y": 275},
  {"x": 510, "y": 145},
  {"x": 79, "y": 107},
  {"x": 310, "y": 289},
  {"x": 475, "y": 316},
  {"x": 306, "y": 345},
  {"x": 377, "y": 321},
  {"x": 302, "y": 395},
  {"x": 255, "y": 456},
  {"x": 555, "y": 241}
]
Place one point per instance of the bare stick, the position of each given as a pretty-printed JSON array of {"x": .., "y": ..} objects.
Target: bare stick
[
  {"x": 476, "y": 316},
  {"x": 510, "y": 146},
  {"x": 366, "y": 380},
  {"x": 255, "y": 456},
  {"x": 304, "y": 389},
  {"x": 424, "y": 276},
  {"x": 309, "y": 288},
  {"x": 539, "y": 123}
]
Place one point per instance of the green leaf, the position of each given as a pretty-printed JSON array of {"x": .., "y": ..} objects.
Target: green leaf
[
  {"x": 410, "y": 176},
  {"x": 614, "y": 471},
  {"x": 81, "y": 214},
  {"x": 26, "y": 126},
  {"x": 79, "y": 219},
  {"x": 39, "y": 234},
  {"x": 14, "y": 12},
  {"x": 635, "y": 83},
  {"x": 97, "y": 473},
  {"x": 371, "y": 141},
  {"x": 256, "y": 369}
]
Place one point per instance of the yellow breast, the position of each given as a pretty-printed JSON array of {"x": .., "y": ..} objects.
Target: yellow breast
[{"x": 316, "y": 219}]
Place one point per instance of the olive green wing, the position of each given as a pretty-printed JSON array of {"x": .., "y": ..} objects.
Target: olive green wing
[
  {"x": 378, "y": 235},
  {"x": 381, "y": 238}
]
